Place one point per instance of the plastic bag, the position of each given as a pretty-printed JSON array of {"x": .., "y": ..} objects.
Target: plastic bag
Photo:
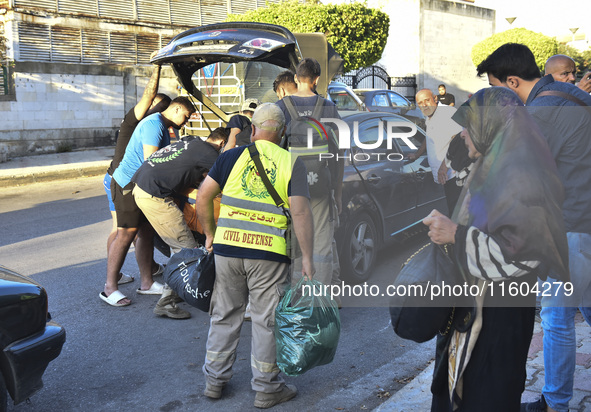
[
  {"x": 306, "y": 331},
  {"x": 191, "y": 274}
]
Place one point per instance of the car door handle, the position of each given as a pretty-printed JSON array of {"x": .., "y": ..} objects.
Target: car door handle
[
  {"x": 420, "y": 174},
  {"x": 373, "y": 179}
]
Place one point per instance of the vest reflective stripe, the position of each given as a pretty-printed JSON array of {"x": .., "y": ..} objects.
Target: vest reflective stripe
[
  {"x": 249, "y": 218},
  {"x": 251, "y": 226},
  {"x": 308, "y": 151},
  {"x": 248, "y": 204}
]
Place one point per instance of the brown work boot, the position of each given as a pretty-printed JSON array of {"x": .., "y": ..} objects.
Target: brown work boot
[
  {"x": 166, "y": 306},
  {"x": 213, "y": 391},
  {"x": 267, "y": 400}
]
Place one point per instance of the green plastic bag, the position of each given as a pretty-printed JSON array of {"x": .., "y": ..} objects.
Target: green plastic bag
[{"x": 307, "y": 328}]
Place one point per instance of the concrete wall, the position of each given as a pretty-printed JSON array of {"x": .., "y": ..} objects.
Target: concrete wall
[
  {"x": 433, "y": 39},
  {"x": 59, "y": 107},
  {"x": 448, "y": 31},
  {"x": 402, "y": 53}
]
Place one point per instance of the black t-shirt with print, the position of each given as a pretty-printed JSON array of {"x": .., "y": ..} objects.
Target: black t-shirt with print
[{"x": 176, "y": 167}]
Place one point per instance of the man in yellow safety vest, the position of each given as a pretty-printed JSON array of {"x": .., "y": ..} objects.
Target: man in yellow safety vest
[{"x": 251, "y": 255}]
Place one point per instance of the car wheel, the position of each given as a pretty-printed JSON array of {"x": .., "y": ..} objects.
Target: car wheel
[
  {"x": 3, "y": 394},
  {"x": 360, "y": 249}
]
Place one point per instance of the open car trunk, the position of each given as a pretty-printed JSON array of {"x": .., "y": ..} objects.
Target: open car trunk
[{"x": 220, "y": 65}]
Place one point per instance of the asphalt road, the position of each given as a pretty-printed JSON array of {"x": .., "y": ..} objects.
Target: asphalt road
[{"x": 129, "y": 359}]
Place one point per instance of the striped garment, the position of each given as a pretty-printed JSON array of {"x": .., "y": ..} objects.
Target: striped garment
[{"x": 486, "y": 261}]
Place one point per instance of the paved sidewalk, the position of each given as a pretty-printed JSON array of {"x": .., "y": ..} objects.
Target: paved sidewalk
[
  {"x": 416, "y": 395},
  {"x": 59, "y": 166}
]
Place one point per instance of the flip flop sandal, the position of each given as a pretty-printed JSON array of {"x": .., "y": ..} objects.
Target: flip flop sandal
[
  {"x": 125, "y": 279},
  {"x": 114, "y": 298},
  {"x": 159, "y": 271},
  {"x": 155, "y": 289}
]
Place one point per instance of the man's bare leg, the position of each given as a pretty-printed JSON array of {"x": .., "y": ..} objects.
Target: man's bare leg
[
  {"x": 115, "y": 258},
  {"x": 144, "y": 254}
]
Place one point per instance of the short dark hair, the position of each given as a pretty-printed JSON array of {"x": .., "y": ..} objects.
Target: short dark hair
[
  {"x": 183, "y": 101},
  {"x": 308, "y": 68},
  {"x": 441, "y": 85},
  {"x": 220, "y": 133},
  {"x": 511, "y": 59},
  {"x": 285, "y": 76}
]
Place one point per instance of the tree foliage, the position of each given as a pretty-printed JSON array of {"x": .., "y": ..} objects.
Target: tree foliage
[
  {"x": 581, "y": 58},
  {"x": 541, "y": 46},
  {"x": 3, "y": 46},
  {"x": 356, "y": 32}
]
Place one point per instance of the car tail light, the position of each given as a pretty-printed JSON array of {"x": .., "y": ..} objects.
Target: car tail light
[{"x": 263, "y": 44}]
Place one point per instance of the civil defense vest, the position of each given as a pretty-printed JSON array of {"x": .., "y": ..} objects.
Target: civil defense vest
[{"x": 249, "y": 218}]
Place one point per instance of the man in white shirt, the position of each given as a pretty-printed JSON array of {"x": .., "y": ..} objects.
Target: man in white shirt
[{"x": 440, "y": 130}]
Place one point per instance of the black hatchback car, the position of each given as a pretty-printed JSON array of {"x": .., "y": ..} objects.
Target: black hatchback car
[
  {"x": 384, "y": 196},
  {"x": 29, "y": 340}
]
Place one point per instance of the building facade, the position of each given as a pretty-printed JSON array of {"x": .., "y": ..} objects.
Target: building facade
[
  {"x": 74, "y": 67},
  {"x": 433, "y": 40}
]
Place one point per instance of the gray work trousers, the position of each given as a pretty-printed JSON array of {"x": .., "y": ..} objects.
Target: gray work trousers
[
  {"x": 326, "y": 260},
  {"x": 236, "y": 281}
]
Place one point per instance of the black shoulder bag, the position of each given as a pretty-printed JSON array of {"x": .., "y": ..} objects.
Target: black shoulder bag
[
  {"x": 254, "y": 154},
  {"x": 416, "y": 312}
]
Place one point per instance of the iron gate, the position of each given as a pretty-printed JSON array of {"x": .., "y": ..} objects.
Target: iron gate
[{"x": 375, "y": 77}]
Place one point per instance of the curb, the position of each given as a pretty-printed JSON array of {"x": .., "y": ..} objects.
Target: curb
[
  {"x": 414, "y": 396},
  {"x": 49, "y": 174}
]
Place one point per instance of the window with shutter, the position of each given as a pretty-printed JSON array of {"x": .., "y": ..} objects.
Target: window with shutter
[
  {"x": 95, "y": 46},
  {"x": 34, "y": 42},
  {"x": 65, "y": 44},
  {"x": 123, "y": 48}
]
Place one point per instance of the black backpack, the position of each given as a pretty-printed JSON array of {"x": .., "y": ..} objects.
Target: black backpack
[{"x": 324, "y": 140}]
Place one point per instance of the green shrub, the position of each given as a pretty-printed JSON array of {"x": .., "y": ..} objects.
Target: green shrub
[
  {"x": 541, "y": 46},
  {"x": 356, "y": 32}
]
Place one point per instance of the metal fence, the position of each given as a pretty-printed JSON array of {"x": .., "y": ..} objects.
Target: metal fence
[
  {"x": 375, "y": 77},
  {"x": 3, "y": 81}
]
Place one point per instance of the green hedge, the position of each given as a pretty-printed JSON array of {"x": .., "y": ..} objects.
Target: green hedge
[
  {"x": 541, "y": 45},
  {"x": 356, "y": 32}
]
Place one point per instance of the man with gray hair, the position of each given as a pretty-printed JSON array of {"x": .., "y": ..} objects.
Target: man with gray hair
[
  {"x": 440, "y": 130},
  {"x": 564, "y": 69},
  {"x": 250, "y": 250}
]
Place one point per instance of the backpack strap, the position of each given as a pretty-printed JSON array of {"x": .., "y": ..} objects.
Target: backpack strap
[
  {"x": 290, "y": 106},
  {"x": 565, "y": 96},
  {"x": 318, "y": 108}
]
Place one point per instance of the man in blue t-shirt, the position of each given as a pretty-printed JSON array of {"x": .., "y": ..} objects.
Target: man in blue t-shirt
[{"x": 150, "y": 135}]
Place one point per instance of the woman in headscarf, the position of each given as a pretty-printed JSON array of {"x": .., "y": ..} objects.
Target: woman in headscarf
[{"x": 507, "y": 222}]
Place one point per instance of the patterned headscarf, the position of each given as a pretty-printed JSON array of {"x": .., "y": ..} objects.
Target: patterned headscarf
[{"x": 514, "y": 192}]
